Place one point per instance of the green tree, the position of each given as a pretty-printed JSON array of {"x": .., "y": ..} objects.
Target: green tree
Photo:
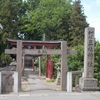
[
  {"x": 33, "y": 4},
  {"x": 48, "y": 18},
  {"x": 62, "y": 31},
  {"x": 26, "y": 11},
  {"x": 76, "y": 62},
  {"x": 77, "y": 24},
  {"x": 8, "y": 19},
  {"x": 97, "y": 61},
  {"x": 6, "y": 58}
]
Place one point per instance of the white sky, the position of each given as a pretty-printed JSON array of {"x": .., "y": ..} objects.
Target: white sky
[{"x": 92, "y": 11}]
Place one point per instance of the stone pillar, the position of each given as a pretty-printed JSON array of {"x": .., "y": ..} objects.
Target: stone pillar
[
  {"x": 39, "y": 65},
  {"x": 89, "y": 53},
  {"x": 15, "y": 82},
  {"x": 69, "y": 82},
  {"x": 19, "y": 62},
  {"x": 76, "y": 80},
  {"x": 88, "y": 82},
  {"x": 63, "y": 65}
]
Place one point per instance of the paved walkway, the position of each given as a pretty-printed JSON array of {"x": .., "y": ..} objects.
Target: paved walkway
[{"x": 32, "y": 83}]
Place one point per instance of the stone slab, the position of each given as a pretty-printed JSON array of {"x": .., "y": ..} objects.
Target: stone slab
[{"x": 88, "y": 84}]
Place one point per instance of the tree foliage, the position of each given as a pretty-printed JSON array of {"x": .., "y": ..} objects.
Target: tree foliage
[
  {"x": 97, "y": 61},
  {"x": 59, "y": 19},
  {"x": 77, "y": 24},
  {"x": 29, "y": 19},
  {"x": 26, "y": 22},
  {"x": 48, "y": 17},
  {"x": 6, "y": 58},
  {"x": 8, "y": 19},
  {"x": 76, "y": 62}
]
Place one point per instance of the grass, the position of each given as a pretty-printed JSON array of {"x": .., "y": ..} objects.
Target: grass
[
  {"x": 23, "y": 88},
  {"x": 51, "y": 80}
]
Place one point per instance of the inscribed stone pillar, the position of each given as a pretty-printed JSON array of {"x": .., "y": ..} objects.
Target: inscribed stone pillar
[
  {"x": 63, "y": 65},
  {"x": 19, "y": 62},
  {"x": 88, "y": 82},
  {"x": 89, "y": 53}
]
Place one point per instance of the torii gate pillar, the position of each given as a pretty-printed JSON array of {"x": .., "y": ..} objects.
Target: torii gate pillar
[
  {"x": 63, "y": 65},
  {"x": 19, "y": 62}
]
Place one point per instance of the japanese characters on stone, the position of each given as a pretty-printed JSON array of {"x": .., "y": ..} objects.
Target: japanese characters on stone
[{"x": 90, "y": 49}]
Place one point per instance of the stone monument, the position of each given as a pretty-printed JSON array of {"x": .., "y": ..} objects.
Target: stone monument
[{"x": 88, "y": 82}]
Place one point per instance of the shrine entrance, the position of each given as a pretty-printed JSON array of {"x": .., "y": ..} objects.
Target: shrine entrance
[{"x": 21, "y": 50}]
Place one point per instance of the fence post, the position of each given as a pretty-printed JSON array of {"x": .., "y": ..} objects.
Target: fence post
[
  {"x": 15, "y": 82},
  {"x": 69, "y": 81}
]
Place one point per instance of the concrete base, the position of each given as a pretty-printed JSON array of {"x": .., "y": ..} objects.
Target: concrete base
[{"x": 88, "y": 84}]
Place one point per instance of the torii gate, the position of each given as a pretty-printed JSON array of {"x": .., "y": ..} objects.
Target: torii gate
[{"x": 63, "y": 52}]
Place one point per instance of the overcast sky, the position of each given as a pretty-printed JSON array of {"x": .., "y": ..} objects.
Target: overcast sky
[{"x": 92, "y": 11}]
